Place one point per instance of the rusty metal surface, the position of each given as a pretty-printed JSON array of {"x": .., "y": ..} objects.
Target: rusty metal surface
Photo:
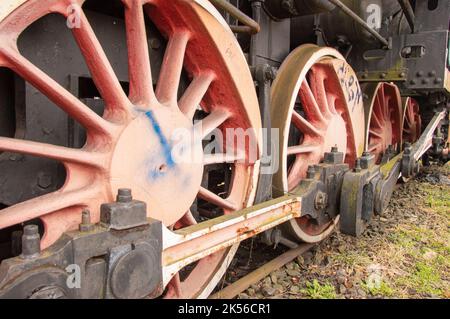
[
  {"x": 190, "y": 244},
  {"x": 245, "y": 282}
]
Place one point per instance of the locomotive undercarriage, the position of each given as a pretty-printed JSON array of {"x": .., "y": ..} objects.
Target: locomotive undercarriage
[{"x": 342, "y": 147}]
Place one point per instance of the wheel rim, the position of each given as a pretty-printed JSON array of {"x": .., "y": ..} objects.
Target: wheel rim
[
  {"x": 412, "y": 123},
  {"x": 223, "y": 87},
  {"x": 384, "y": 115},
  {"x": 331, "y": 105}
]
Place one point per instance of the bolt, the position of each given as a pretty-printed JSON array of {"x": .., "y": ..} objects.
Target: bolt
[
  {"x": 432, "y": 73},
  {"x": 412, "y": 82},
  {"x": 357, "y": 166},
  {"x": 86, "y": 225},
  {"x": 155, "y": 43},
  {"x": 289, "y": 6},
  {"x": 425, "y": 81},
  {"x": 124, "y": 195},
  {"x": 15, "y": 157},
  {"x": 406, "y": 51},
  {"x": 419, "y": 74},
  {"x": 402, "y": 74},
  {"x": 31, "y": 242},
  {"x": 321, "y": 200},
  {"x": 365, "y": 76},
  {"x": 383, "y": 75},
  {"x": 438, "y": 81},
  {"x": 86, "y": 217},
  {"x": 47, "y": 131},
  {"x": 268, "y": 74},
  {"x": 44, "y": 180},
  {"x": 407, "y": 150},
  {"x": 311, "y": 172}
]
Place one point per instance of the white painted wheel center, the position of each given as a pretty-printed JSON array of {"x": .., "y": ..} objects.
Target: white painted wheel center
[{"x": 157, "y": 157}]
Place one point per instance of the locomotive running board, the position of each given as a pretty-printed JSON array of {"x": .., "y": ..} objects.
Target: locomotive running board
[{"x": 190, "y": 244}]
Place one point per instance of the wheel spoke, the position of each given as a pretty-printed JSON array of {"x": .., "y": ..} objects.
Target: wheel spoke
[
  {"x": 211, "y": 159},
  {"x": 172, "y": 66},
  {"x": 43, "y": 205},
  {"x": 296, "y": 173},
  {"x": 302, "y": 149},
  {"x": 57, "y": 94},
  {"x": 174, "y": 287},
  {"x": 375, "y": 133},
  {"x": 213, "y": 121},
  {"x": 139, "y": 69},
  {"x": 388, "y": 111},
  {"x": 373, "y": 147},
  {"x": 317, "y": 83},
  {"x": 331, "y": 98},
  {"x": 101, "y": 70},
  {"x": 212, "y": 198},
  {"x": 309, "y": 102},
  {"x": 304, "y": 126},
  {"x": 378, "y": 107},
  {"x": 409, "y": 118},
  {"x": 377, "y": 120},
  {"x": 60, "y": 153},
  {"x": 195, "y": 93},
  {"x": 188, "y": 219}
]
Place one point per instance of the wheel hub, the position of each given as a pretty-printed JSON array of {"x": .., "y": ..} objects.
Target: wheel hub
[
  {"x": 156, "y": 150},
  {"x": 335, "y": 135}
]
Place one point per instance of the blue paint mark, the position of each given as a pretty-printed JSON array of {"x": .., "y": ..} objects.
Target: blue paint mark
[{"x": 162, "y": 139}]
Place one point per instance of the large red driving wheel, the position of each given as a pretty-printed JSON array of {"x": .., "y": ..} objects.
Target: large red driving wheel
[
  {"x": 384, "y": 117},
  {"x": 412, "y": 123},
  {"x": 132, "y": 144},
  {"x": 317, "y": 105}
]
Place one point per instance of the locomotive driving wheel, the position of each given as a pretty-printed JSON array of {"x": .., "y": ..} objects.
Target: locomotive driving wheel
[
  {"x": 133, "y": 143},
  {"x": 412, "y": 123},
  {"x": 384, "y": 118},
  {"x": 316, "y": 104}
]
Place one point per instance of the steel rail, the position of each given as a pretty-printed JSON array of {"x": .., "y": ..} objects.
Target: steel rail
[{"x": 255, "y": 276}]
